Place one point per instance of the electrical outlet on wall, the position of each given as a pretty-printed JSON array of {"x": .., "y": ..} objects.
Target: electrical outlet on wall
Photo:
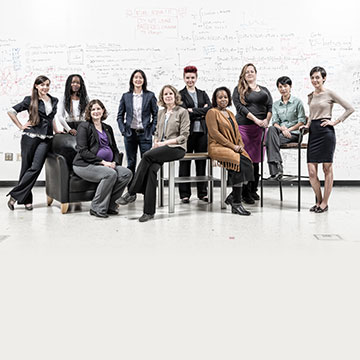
[{"x": 9, "y": 156}]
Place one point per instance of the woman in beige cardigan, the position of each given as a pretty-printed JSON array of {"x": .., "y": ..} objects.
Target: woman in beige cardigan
[
  {"x": 172, "y": 132},
  {"x": 227, "y": 147}
]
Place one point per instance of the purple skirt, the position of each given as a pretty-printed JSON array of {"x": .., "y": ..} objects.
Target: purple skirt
[{"x": 251, "y": 136}]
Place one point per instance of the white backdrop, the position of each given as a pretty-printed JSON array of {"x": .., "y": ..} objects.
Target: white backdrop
[{"x": 105, "y": 41}]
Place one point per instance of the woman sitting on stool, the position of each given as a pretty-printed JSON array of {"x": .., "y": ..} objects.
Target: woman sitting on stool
[
  {"x": 171, "y": 135},
  {"x": 227, "y": 147},
  {"x": 98, "y": 160}
]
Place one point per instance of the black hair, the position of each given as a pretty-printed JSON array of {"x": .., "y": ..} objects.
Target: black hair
[
  {"x": 144, "y": 85},
  {"x": 319, "y": 69},
  {"x": 221, "y": 88},
  {"x": 283, "y": 80},
  {"x": 82, "y": 93}
]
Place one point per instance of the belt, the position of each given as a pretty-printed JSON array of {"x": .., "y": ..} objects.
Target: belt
[{"x": 139, "y": 131}]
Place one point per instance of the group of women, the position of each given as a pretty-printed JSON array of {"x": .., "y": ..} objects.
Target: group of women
[{"x": 187, "y": 122}]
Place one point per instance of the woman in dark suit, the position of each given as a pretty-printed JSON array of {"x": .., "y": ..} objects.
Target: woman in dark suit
[
  {"x": 98, "y": 160},
  {"x": 35, "y": 142},
  {"x": 197, "y": 103},
  {"x": 171, "y": 135},
  {"x": 137, "y": 117}
]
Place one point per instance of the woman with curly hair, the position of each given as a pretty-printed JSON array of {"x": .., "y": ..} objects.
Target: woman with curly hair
[
  {"x": 98, "y": 160},
  {"x": 72, "y": 105}
]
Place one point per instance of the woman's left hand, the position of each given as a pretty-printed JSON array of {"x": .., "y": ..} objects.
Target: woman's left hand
[{"x": 327, "y": 123}]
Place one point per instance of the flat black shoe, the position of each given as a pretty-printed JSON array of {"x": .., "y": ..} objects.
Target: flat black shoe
[
  {"x": 29, "y": 207},
  {"x": 248, "y": 199},
  {"x": 185, "y": 200},
  {"x": 94, "y": 213},
  {"x": 112, "y": 212},
  {"x": 320, "y": 210},
  {"x": 255, "y": 196},
  {"x": 237, "y": 208},
  {"x": 145, "y": 217},
  {"x": 204, "y": 198},
  {"x": 11, "y": 203},
  {"x": 313, "y": 208},
  {"x": 230, "y": 199}
]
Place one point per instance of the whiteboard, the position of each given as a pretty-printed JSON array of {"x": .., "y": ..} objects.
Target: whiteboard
[{"x": 105, "y": 41}]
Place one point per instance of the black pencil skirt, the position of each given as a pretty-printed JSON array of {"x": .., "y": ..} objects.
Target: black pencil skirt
[{"x": 322, "y": 142}]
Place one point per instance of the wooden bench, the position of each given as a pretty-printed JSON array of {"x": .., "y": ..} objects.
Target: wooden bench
[{"x": 209, "y": 178}]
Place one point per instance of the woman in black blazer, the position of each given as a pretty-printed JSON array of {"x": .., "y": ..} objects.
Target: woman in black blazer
[
  {"x": 35, "y": 142},
  {"x": 98, "y": 160},
  {"x": 197, "y": 103},
  {"x": 137, "y": 117}
]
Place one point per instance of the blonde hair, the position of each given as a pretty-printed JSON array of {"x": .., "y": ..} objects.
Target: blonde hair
[
  {"x": 243, "y": 86},
  {"x": 161, "y": 101}
]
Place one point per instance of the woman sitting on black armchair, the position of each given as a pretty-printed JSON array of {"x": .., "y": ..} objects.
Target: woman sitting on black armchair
[{"x": 98, "y": 160}]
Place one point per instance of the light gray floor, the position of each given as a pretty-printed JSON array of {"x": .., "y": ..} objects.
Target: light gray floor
[{"x": 198, "y": 284}]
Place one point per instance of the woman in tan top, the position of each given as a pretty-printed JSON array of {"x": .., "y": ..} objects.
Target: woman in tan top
[
  {"x": 322, "y": 140},
  {"x": 226, "y": 146}
]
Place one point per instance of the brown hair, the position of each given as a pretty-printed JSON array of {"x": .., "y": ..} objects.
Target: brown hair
[
  {"x": 161, "y": 101},
  {"x": 34, "y": 117},
  {"x": 88, "y": 110},
  {"x": 243, "y": 86}
]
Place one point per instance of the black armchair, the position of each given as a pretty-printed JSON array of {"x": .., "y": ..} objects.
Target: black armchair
[{"x": 62, "y": 184}]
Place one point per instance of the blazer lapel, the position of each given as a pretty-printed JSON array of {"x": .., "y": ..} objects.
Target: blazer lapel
[
  {"x": 145, "y": 100},
  {"x": 189, "y": 99}
]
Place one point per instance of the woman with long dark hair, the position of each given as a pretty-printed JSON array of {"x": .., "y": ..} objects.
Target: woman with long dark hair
[
  {"x": 137, "y": 118},
  {"x": 35, "y": 140},
  {"x": 253, "y": 112},
  {"x": 71, "y": 109},
  {"x": 322, "y": 140}
]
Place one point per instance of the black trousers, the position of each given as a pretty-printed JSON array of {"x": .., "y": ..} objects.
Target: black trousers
[
  {"x": 197, "y": 142},
  {"x": 33, "y": 155},
  {"x": 145, "y": 179}
]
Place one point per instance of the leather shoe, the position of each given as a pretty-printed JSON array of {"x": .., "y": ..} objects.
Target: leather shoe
[
  {"x": 126, "y": 199},
  {"x": 204, "y": 198},
  {"x": 94, "y": 213},
  {"x": 313, "y": 208},
  {"x": 278, "y": 176},
  {"x": 321, "y": 210},
  {"x": 11, "y": 203},
  {"x": 248, "y": 199},
  {"x": 29, "y": 207},
  {"x": 237, "y": 208},
  {"x": 112, "y": 212},
  {"x": 185, "y": 200},
  {"x": 255, "y": 196},
  {"x": 145, "y": 217},
  {"x": 229, "y": 199}
]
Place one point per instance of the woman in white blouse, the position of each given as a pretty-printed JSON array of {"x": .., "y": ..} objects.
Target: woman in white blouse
[{"x": 72, "y": 105}]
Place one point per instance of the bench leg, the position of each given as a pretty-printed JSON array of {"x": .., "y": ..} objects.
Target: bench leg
[
  {"x": 171, "y": 186},
  {"x": 210, "y": 183},
  {"x": 161, "y": 187}
]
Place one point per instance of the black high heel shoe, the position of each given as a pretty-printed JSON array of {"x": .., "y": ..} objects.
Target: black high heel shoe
[{"x": 11, "y": 203}]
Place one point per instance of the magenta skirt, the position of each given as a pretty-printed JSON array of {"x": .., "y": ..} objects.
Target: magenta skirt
[{"x": 251, "y": 136}]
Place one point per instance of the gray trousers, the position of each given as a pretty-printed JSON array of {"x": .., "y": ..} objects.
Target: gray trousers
[
  {"x": 112, "y": 183},
  {"x": 274, "y": 139}
]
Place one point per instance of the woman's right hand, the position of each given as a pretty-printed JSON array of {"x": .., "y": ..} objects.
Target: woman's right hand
[
  {"x": 27, "y": 125},
  {"x": 108, "y": 164},
  {"x": 73, "y": 132}
]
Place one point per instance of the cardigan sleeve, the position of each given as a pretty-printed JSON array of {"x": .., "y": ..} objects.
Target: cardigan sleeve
[
  {"x": 213, "y": 130},
  {"x": 82, "y": 145},
  {"x": 240, "y": 108}
]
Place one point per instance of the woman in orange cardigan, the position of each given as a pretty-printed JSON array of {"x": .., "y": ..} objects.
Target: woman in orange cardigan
[{"x": 226, "y": 146}]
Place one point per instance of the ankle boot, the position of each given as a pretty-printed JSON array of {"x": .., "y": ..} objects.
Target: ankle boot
[{"x": 237, "y": 208}]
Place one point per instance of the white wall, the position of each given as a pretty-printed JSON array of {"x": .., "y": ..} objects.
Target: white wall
[{"x": 105, "y": 41}]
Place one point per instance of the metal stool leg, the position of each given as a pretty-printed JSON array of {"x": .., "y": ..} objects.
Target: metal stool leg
[
  {"x": 161, "y": 187},
  {"x": 210, "y": 183},
  {"x": 171, "y": 186},
  {"x": 223, "y": 188}
]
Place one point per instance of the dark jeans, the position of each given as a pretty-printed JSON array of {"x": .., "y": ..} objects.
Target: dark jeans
[
  {"x": 145, "y": 179},
  {"x": 33, "y": 155},
  {"x": 197, "y": 142},
  {"x": 132, "y": 143}
]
